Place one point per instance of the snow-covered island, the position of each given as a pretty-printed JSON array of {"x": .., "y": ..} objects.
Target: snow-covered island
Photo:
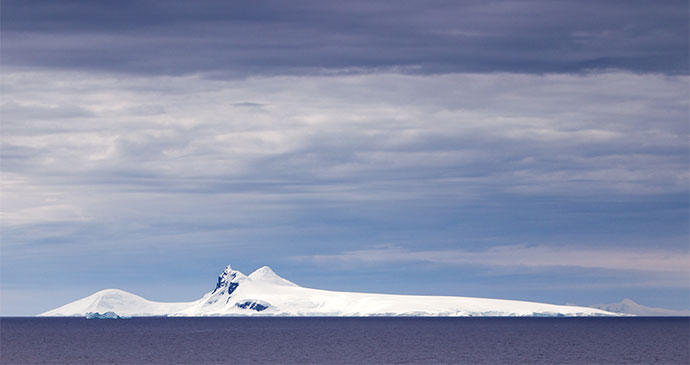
[{"x": 264, "y": 293}]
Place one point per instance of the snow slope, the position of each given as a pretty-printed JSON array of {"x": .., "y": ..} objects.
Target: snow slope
[
  {"x": 263, "y": 292},
  {"x": 629, "y": 307},
  {"x": 118, "y": 301}
]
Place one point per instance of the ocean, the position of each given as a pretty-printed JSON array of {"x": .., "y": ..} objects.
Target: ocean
[{"x": 345, "y": 340}]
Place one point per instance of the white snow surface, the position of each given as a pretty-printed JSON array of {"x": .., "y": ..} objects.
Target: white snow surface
[
  {"x": 118, "y": 301},
  {"x": 264, "y": 293}
]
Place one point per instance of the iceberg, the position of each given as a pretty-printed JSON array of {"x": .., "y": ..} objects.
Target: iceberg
[{"x": 104, "y": 315}]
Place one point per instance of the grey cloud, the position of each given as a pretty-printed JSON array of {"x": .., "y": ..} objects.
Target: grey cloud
[
  {"x": 268, "y": 38},
  {"x": 565, "y": 131},
  {"x": 13, "y": 111},
  {"x": 354, "y": 148},
  {"x": 658, "y": 260},
  {"x": 249, "y": 104}
]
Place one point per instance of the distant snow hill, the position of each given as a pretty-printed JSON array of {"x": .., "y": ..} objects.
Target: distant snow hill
[
  {"x": 264, "y": 293},
  {"x": 627, "y": 306}
]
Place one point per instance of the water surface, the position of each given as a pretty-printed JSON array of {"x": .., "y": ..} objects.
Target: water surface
[{"x": 345, "y": 340}]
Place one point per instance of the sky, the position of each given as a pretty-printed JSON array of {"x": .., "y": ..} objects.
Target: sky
[{"x": 530, "y": 150}]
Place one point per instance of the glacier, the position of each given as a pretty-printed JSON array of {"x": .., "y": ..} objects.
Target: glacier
[{"x": 264, "y": 293}]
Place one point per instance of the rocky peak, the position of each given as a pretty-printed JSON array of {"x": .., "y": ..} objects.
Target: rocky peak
[{"x": 228, "y": 281}]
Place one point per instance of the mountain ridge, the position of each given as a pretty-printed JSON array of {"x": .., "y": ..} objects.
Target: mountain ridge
[{"x": 628, "y": 306}]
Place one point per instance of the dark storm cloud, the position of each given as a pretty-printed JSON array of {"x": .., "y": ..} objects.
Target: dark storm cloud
[{"x": 248, "y": 38}]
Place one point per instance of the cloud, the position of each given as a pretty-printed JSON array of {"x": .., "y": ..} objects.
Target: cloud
[
  {"x": 335, "y": 140},
  {"x": 348, "y": 160},
  {"x": 352, "y": 137},
  {"x": 308, "y": 37},
  {"x": 653, "y": 260},
  {"x": 42, "y": 112}
]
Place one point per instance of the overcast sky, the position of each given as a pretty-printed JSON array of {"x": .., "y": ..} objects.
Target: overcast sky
[{"x": 533, "y": 150}]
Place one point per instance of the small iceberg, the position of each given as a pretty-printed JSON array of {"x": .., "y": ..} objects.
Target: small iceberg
[
  {"x": 105, "y": 315},
  {"x": 548, "y": 314}
]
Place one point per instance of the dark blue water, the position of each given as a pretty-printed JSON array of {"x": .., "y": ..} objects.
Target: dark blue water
[{"x": 345, "y": 340}]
